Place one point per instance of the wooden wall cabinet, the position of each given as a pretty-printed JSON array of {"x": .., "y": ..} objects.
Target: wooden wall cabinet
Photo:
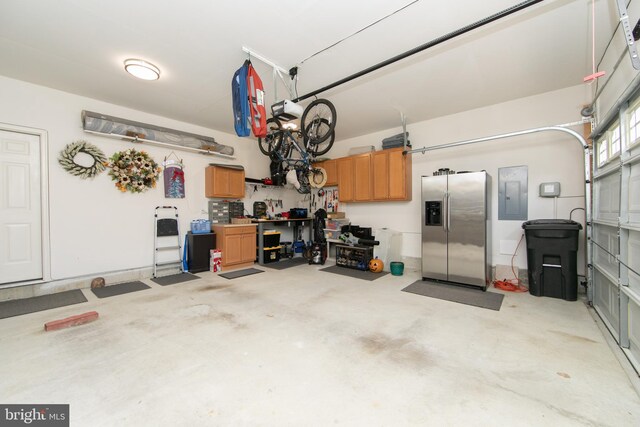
[
  {"x": 362, "y": 178},
  {"x": 346, "y": 179},
  {"x": 391, "y": 175},
  {"x": 378, "y": 176},
  {"x": 237, "y": 243},
  {"x": 331, "y": 166},
  {"x": 224, "y": 182}
]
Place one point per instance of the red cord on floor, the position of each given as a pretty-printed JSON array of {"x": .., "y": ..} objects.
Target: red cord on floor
[{"x": 512, "y": 285}]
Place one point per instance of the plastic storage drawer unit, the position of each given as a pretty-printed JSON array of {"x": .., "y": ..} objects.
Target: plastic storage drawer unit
[
  {"x": 270, "y": 239},
  {"x": 271, "y": 254},
  {"x": 552, "y": 254}
]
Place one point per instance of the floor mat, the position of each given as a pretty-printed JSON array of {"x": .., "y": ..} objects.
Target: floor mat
[
  {"x": 358, "y": 274},
  {"x": 174, "y": 278},
  {"x": 241, "y": 273},
  {"x": 287, "y": 263},
  {"x": 119, "y": 289},
  {"x": 44, "y": 302},
  {"x": 454, "y": 293}
]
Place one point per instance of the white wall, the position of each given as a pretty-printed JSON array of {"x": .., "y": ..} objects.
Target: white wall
[
  {"x": 95, "y": 228},
  {"x": 549, "y": 157}
]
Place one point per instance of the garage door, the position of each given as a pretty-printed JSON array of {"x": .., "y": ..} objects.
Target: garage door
[{"x": 616, "y": 231}]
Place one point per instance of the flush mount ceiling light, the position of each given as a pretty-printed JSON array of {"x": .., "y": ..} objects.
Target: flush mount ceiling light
[{"x": 142, "y": 69}]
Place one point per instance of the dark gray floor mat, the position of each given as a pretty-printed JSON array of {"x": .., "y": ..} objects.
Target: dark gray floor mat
[
  {"x": 174, "y": 278},
  {"x": 358, "y": 274},
  {"x": 44, "y": 302},
  {"x": 241, "y": 273},
  {"x": 119, "y": 289},
  {"x": 287, "y": 263},
  {"x": 454, "y": 293}
]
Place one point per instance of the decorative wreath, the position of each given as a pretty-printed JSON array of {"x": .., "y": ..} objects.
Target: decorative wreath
[
  {"x": 133, "y": 171},
  {"x": 68, "y": 162}
]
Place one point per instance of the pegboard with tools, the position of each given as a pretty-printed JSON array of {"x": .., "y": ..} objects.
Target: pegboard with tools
[
  {"x": 325, "y": 198},
  {"x": 277, "y": 199},
  {"x": 273, "y": 204}
]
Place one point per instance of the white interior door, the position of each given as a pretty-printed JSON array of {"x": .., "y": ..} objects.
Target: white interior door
[{"x": 20, "y": 208}]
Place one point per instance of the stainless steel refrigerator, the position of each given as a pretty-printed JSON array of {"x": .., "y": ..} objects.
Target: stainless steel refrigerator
[{"x": 456, "y": 228}]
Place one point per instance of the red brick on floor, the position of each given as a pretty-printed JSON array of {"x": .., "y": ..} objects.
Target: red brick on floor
[{"x": 71, "y": 321}]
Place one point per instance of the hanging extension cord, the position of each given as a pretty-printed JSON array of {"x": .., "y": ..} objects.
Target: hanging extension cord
[{"x": 515, "y": 284}]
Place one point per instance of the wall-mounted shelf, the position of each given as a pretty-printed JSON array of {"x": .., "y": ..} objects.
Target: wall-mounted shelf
[
  {"x": 116, "y": 127},
  {"x": 162, "y": 144},
  {"x": 261, "y": 183}
]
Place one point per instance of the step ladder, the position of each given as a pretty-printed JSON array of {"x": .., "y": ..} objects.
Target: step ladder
[{"x": 166, "y": 226}]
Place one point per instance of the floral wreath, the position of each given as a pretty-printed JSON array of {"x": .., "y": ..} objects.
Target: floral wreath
[
  {"x": 69, "y": 153},
  {"x": 133, "y": 171}
]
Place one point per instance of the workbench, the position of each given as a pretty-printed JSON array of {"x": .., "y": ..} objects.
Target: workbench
[{"x": 271, "y": 223}]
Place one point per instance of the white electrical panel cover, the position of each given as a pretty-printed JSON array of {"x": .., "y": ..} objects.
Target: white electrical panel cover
[{"x": 550, "y": 189}]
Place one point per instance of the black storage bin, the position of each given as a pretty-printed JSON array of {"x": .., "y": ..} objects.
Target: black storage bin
[
  {"x": 357, "y": 231},
  {"x": 298, "y": 213},
  {"x": 552, "y": 256},
  {"x": 198, "y": 249},
  {"x": 270, "y": 239},
  {"x": 271, "y": 254}
]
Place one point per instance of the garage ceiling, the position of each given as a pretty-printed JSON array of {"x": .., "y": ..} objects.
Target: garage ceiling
[{"x": 79, "y": 46}]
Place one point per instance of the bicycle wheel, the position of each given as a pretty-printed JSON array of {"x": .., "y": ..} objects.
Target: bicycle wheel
[
  {"x": 312, "y": 123},
  {"x": 274, "y": 135},
  {"x": 320, "y": 148}
]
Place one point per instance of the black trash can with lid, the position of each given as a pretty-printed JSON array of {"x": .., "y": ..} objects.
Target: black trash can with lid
[{"x": 552, "y": 256}]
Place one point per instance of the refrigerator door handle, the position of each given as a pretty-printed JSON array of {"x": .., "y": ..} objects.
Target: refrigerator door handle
[
  {"x": 444, "y": 212},
  {"x": 448, "y": 212}
]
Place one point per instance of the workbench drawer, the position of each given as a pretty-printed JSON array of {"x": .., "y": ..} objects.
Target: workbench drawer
[{"x": 239, "y": 230}]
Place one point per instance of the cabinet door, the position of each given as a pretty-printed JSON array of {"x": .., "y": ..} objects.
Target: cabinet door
[
  {"x": 332, "y": 172},
  {"x": 221, "y": 182},
  {"x": 248, "y": 247},
  {"x": 399, "y": 175},
  {"x": 232, "y": 252},
  {"x": 330, "y": 166},
  {"x": 345, "y": 178},
  {"x": 362, "y": 177},
  {"x": 380, "y": 164},
  {"x": 236, "y": 183},
  {"x": 224, "y": 182},
  {"x": 391, "y": 175}
]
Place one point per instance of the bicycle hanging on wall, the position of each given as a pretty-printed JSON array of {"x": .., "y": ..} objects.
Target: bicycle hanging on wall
[{"x": 296, "y": 149}]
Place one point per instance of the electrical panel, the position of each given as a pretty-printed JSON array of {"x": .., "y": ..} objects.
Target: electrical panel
[{"x": 513, "y": 193}]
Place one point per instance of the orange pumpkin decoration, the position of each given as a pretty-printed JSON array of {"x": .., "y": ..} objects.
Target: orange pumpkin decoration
[{"x": 376, "y": 265}]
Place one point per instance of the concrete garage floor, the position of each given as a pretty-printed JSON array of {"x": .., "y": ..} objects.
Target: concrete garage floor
[{"x": 305, "y": 347}]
